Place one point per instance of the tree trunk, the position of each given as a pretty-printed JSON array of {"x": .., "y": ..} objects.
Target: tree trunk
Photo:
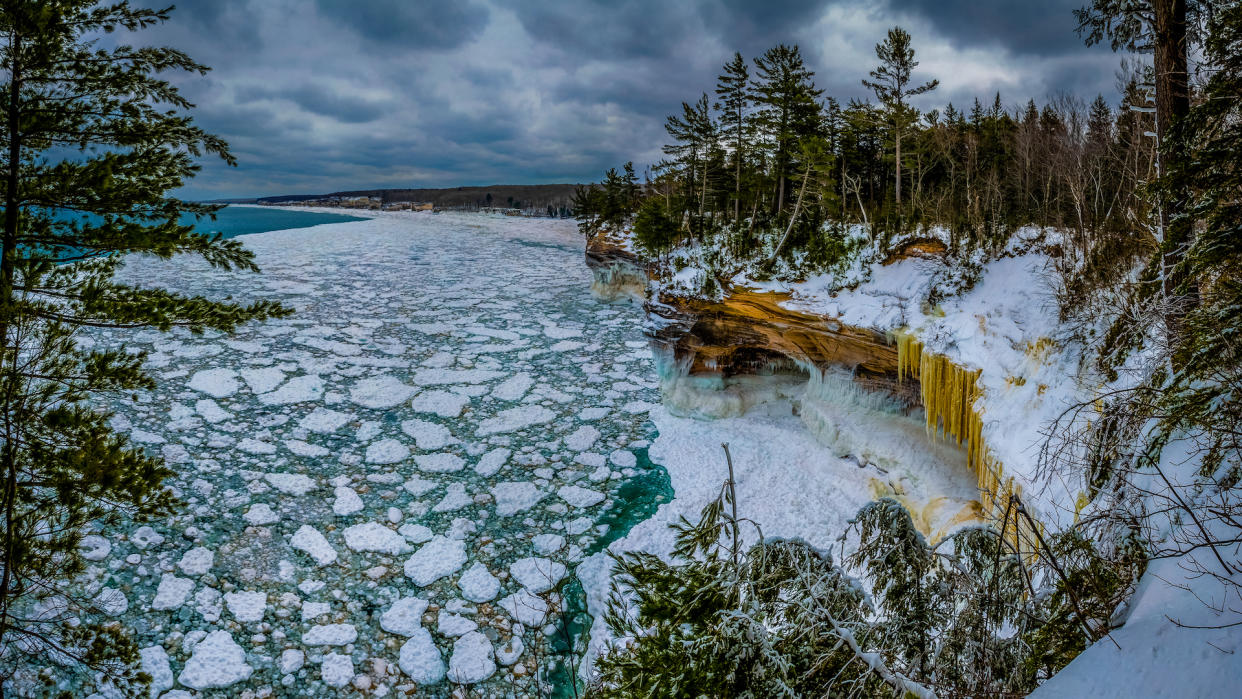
[
  {"x": 793, "y": 218},
  {"x": 1172, "y": 103},
  {"x": 703, "y": 191},
  {"x": 898, "y": 139},
  {"x": 737, "y": 188},
  {"x": 8, "y": 250}
]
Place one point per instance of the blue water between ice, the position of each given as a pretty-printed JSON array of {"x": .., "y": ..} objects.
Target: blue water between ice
[{"x": 233, "y": 221}]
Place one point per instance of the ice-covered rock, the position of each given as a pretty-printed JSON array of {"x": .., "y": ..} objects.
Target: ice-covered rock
[
  {"x": 94, "y": 547},
  {"x": 513, "y": 497},
  {"x": 309, "y": 540},
  {"x": 428, "y": 435},
  {"x": 330, "y": 635},
  {"x": 217, "y": 661},
  {"x": 373, "y": 536},
  {"x": 217, "y": 383},
  {"x": 154, "y": 662},
  {"x": 436, "y": 559},
  {"x": 578, "y": 496},
  {"x": 196, "y": 561},
  {"x": 347, "y": 502},
  {"x": 405, "y": 616},
  {"x": 471, "y": 661},
  {"x": 380, "y": 392},
  {"x": 420, "y": 660},
  {"x": 172, "y": 592},
  {"x": 259, "y": 514},
  {"x": 439, "y": 462},
  {"x": 442, "y": 403},
  {"x": 525, "y": 608},
  {"x": 478, "y": 584},
  {"x": 537, "y": 574},
  {"x": 337, "y": 669},
  {"x": 246, "y": 607},
  {"x": 515, "y": 419},
  {"x": 387, "y": 451},
  {"x": 291, "y": 483}
]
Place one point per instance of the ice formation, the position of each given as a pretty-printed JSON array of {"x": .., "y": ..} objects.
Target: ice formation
[{"x": 404, "y": 433}]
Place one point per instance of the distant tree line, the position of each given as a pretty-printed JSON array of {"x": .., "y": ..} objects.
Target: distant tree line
[
  {"x": 771, "y": 151},
  {"x": 535, "y": 198}
]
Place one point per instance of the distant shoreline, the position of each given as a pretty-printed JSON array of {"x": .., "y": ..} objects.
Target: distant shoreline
[{"x": 499, "y": 196}]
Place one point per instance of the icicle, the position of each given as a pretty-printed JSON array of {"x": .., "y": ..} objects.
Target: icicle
[{"x": 949, "y": 394}]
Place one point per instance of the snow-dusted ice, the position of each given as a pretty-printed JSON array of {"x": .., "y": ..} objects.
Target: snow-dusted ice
[
  {"x": 383, "y": 490},
  {"x": 215, "y": 661}
]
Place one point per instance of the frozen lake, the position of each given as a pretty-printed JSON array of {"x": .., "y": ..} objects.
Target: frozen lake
[{"x": 385, "y": 489}]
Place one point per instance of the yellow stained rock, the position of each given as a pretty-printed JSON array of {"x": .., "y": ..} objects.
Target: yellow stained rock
[{"x": 949, "y": 393}]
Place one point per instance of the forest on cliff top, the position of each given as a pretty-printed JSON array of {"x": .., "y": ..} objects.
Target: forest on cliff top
[{"x": 1138, "y": 207}]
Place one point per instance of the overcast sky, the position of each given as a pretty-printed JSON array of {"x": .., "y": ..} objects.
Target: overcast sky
[{"x": 322, "y": 95}]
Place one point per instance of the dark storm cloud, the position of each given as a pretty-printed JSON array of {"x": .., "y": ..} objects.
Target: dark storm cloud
[
  {"x": 1042, "y": 28},
  {"x": 322, "y": 100},
  {"x": 428, "y": 25},
  {"x": 340, "y": 94}
]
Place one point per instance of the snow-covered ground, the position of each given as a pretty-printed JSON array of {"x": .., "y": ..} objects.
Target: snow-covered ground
[
  {"x": 377, "y": 486},
  {"x": 1006, "y": 324},
  {"x": 1182, "y": 629},
  {"x": 789, "y": 483}
]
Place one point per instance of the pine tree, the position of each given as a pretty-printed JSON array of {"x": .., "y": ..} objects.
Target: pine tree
[
  {"x": 733, "y": 89},
  {"x": 654, "y": 229},
  {"x": 889, "y": 82},
  {"x": 788, "y": 109},
  {"x": 94, "y": 141},
  {"x": 693, "y": 134}
]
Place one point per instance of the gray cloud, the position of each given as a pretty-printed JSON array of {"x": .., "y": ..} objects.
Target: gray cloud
[
  {"x": 1043, "y": 28},
  {"x": 339, "y": 94},
  {"x": 423, "y": 25}
]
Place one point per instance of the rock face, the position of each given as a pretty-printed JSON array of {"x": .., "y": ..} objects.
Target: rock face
[
  {"x": 619, "y": 274},
  {"x": 718, "y": 359},
  {"x": 711, "y": 351}
]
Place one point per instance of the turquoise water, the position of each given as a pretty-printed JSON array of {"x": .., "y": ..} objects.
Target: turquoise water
[
  {"x": 636, "y": 500},
  {"x": 233, "y": 221}
]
